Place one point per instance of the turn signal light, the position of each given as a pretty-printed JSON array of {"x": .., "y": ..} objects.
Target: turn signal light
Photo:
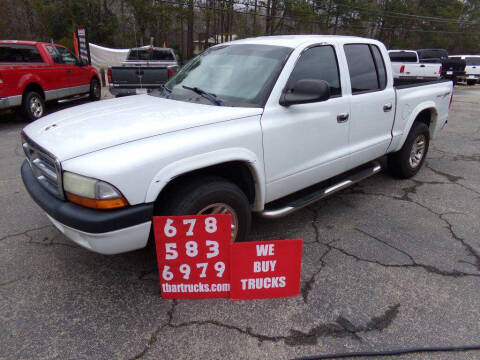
[{"x": 106, "y": 204}]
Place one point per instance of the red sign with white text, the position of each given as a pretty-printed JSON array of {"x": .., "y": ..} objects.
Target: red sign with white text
[
  {"x": 265, "y": 269},
  {"x": 193, "y": 255}
]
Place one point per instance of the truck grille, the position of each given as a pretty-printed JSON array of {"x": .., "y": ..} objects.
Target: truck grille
[{"x": 45, "y": 167}]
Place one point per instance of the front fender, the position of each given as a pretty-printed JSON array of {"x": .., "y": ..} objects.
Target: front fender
[{"x": 197, "y": 162}]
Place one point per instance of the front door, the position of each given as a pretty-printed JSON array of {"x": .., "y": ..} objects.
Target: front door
[
  {"x": 306, "y": 143},
  {"x": 79, "y": 75}
]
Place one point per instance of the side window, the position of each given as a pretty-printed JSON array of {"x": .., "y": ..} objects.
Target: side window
[
  {"x": 319, "y": 63},
  {"x": 54, "y": 54},
  {"x": 381, "y": 72},
  {"x": 363, "y": 73},
  {"x": 66, "y": 56},
  {"x": 14, "y": 53}
]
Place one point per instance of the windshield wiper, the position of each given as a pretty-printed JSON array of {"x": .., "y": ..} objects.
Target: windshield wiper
[
  {"x": 209, "y": 96},
  {"x": 166, "y": 88}
]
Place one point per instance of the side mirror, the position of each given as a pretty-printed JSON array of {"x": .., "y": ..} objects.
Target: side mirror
[{"x": 306, "y": 91}]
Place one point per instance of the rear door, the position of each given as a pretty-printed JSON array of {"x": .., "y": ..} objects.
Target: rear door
[
  {"x": 372, "y": 103},
  {"x": 306, "y": 143},
  {"x": 62, "y": 72}
]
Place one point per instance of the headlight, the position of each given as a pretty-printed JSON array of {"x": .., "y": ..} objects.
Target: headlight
[{"x": 91, "y": 192}]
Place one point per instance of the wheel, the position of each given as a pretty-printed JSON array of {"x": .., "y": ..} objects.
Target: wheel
[
  {"x": 211, "y": 195},
  {"x": 95, "y": 90},
  {"x": 471, "y": 82},
  {"x": 33, "y": 106},
  {"x": 406, "y": 162}
]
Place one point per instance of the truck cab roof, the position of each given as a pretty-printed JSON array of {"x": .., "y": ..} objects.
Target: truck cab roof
[
  {"x": 27, "y": 42},
  {"x": 294, "y": 41}
]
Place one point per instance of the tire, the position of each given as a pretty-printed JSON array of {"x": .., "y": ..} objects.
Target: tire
[
  {"x": 471, "y": 82},
  {"x": 206, "y": 195},
  {"x": 95, "y": 90},
  {"x": 403, "y": 163},
  {"x": 33, "y": 106}
]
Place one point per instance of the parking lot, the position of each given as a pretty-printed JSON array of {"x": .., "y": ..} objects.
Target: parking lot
[{"x": 387, "y": 264}]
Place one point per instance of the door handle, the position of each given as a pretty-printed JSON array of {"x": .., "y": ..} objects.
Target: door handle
[
  {"x": 387, "y": 107},
  {"x": 422, "y": 65},
  {"x": 341, "y": 118},
  {"x": 69, "y": 71}
]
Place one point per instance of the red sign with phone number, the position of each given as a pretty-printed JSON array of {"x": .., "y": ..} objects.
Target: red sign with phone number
[
  {"x": 193, "y": 255},
  {"x": 197, "y": 259}
]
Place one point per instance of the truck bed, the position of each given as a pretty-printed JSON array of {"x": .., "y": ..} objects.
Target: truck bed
[
  {"x": 408, "y": 83},
  {"x": 419, "y": 95}
]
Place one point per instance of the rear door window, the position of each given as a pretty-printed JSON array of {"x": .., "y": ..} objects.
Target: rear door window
[
  {"x": 66, "y": 56},
  {"x": 54, "y": 54},
  {"x": 381, "y": 71},
  {"x": 361, "y": 65},
  {"x": 17, "y": 53}
]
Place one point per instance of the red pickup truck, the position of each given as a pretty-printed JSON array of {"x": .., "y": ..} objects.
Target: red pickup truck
[{"x": 32, "y": 73}]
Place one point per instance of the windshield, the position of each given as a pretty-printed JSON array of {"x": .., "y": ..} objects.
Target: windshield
[{"x": 238, "y": 75}]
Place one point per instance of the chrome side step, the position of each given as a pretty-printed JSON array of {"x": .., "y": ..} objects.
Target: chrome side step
[
  {"x": 73, "y": 98},
  {"x": 314, "y": 196}
]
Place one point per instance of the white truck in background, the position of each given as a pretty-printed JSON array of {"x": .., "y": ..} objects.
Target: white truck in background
[
  {"x": 406, "y": 65},
  {"x": 472, "y": 69},
  {"x": 264, "y": 125}
]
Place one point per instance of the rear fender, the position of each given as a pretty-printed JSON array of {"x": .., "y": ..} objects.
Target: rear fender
[
  {"x": 427, "y": 105},
  {"x": 28, "y": 79}
]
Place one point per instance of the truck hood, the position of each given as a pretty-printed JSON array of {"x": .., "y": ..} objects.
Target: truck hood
[{"x": 86, "y": 128}]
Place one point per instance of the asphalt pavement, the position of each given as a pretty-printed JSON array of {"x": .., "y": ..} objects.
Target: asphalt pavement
[{"x": 387, "y": 264}]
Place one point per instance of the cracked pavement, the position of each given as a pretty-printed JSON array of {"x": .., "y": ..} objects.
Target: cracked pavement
[{"x": 387, "y": 264}]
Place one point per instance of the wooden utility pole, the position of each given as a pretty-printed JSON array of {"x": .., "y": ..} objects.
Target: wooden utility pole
[{"x": 190, "y": 24}]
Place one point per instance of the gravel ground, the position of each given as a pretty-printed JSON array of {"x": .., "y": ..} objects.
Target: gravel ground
[{"x": 387, "y": 264}]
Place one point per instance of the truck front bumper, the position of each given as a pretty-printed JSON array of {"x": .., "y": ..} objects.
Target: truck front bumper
[{"x": 105, "y": 232}]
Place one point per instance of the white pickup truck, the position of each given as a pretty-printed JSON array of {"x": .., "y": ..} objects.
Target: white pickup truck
[
  {"x": 406, "y": 65},
  {"x": 472, "y": 69},
  {"x": 265, "y": 125}
]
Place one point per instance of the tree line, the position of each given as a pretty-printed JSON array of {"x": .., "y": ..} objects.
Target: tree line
[{"x": 191, "y": 25}]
